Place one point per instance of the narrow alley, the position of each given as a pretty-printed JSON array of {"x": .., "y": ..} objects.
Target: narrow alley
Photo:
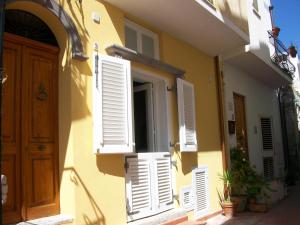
[{"x": 285, "y": 212}]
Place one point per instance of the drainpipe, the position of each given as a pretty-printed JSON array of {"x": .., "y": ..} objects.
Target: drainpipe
[
  {"x": 283, "y": 129},
  {"x": 220, "y": 92},
  {"x": 271, "y": 15},
  {"x": 2, "y": 21}
]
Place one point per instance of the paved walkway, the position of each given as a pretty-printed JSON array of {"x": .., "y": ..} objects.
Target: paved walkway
[{"x": 287, "y": 212}]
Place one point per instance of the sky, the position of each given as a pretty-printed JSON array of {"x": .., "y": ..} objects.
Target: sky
[{"x": 287, "y": 18}]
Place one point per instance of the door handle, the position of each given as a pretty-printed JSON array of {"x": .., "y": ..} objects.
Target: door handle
[{"x": 41, "y": 147}]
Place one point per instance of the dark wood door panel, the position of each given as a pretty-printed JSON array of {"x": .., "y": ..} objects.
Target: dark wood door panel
[
  {"x": 40, "y": 124},
  {"x": 30, "y": 130},
  {"x": 11, "y": 152}
]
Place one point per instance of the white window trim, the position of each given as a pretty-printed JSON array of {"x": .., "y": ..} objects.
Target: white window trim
[
  {"x": 141, "y": 30},
  {"x": 145, "y": 76}
]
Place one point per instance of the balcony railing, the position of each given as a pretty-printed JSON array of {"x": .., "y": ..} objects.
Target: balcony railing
[{"x": 280, "y": 56}]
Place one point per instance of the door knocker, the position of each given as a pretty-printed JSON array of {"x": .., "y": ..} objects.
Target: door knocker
[{"x": 42, "y": 94}]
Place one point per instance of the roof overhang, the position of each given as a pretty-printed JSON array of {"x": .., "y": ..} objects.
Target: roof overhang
[
  {"x": 261, "y": 68},
  {"x": 193, "y": 21}
]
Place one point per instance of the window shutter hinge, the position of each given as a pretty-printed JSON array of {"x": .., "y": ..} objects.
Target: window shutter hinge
[{"x": 172, "y": 88}]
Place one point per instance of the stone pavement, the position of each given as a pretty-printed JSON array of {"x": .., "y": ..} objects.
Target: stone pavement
[{"x": 286, "y": 212}]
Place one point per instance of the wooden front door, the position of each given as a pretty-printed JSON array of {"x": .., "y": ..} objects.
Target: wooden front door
[
  {"x": 30, "y": 129},
  {"x": 241, "y": 123}
]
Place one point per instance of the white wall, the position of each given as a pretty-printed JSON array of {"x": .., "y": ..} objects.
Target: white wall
[
  {"x": 260, "y": 100},
  {"x": 259, "y": 25}
]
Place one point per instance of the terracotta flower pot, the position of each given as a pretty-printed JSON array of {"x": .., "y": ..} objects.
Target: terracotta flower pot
[
  {"x": 275, "y": 31},
  {"x": 292, "y": 51},
  {"x": 241, "y": 202},
  {"x": 229, "y": 209}
]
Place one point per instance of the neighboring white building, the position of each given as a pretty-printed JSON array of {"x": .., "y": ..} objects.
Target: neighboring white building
[{"x": 252, "y": 75}]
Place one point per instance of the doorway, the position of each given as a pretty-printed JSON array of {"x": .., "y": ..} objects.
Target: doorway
[
  {"x": 30, "y": 121},
  {"x": 241, "y": 122}
]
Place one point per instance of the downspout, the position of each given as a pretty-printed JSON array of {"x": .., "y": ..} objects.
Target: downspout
[
  {"x": 220, "y": 100},
  {"x": 283, "y": 129},
  {"x": 2, "y": 21}
]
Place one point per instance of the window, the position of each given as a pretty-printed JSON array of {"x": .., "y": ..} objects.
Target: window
[
  {"x": 130, "y": 116},
  {"x": 268, "y": 165},
  {"x": 267, "y": 147},
  {"x": 255, "y": 6},
  {"x": 141, "y": 40},
  {"x": 266, "y": 133}
]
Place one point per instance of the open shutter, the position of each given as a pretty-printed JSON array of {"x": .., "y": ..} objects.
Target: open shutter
[
  {"x": 162, "y": 171},
  {"x": 201, "y": 195},
  {"x": 138, "y": 187},
  {"x": 186, "y": 116},
  {"x": 161, "y": 107},
  {"x": 112, "y": 112}
]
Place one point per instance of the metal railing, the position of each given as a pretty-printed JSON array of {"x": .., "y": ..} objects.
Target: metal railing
[{"x": 280, "y": 57}]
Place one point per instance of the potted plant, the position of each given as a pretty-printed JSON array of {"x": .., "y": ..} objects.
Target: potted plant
[
  {"x": 240, "y": 168},
  {"x": 257, "y": 191},
  {"x": 229, "y": 207},
  {"x": 292, "y": 50},
  {"x": 275, "y": 31}
]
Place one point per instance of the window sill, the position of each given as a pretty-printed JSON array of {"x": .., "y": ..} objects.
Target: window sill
[{"x": 132, "y": 55}]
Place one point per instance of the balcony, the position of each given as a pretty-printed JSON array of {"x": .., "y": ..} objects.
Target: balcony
[
  {"x": 211, "y": 28},
  {"x": 280, "y": 56}
]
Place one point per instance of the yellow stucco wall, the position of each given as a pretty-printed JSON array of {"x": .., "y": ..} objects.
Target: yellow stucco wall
[{"x": 92, "y": 187}]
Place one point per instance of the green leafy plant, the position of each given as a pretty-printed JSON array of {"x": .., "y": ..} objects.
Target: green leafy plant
[
  {"x": 227, "y": 178},
  {"x": 245, "y": 179}
]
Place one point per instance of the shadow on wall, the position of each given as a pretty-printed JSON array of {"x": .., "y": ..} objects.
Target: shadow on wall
[
  {"x": 76, "y": 179},
  {"x": 111, "y": 164},
  {"x": 236, "y": 11}
]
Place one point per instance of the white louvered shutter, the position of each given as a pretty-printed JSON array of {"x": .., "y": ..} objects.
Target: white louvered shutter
[
  {"x": 201, "y": 194},
  {"x": 186, "y": 116},
  {"x": 112, "y": 112},
  {"x": 163, "y": 184},
  {"x": 161, "y": 107},
  {"x": 138, "y": 187}
]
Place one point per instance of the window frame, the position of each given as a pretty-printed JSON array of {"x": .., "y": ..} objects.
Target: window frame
[
  {"x": 139, "y": 32},
  {"x": 140, "y": 75}
]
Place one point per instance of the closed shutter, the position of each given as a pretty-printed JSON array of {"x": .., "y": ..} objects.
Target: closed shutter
[
  {"x": 186, "y": 198},
  {"x": 268, "y": 164},
  {"x": 266, "y": 133},
  {"x": 112, "y": 113},
  {"x": 138, "y": 187},
  {"x": 163, "y": 185},
  {"x": 186, "y": 116},
  {"x": 201, "y": 195}
]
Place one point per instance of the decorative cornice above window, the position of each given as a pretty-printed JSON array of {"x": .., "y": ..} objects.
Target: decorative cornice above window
[{"x": 132, "y": 55}]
